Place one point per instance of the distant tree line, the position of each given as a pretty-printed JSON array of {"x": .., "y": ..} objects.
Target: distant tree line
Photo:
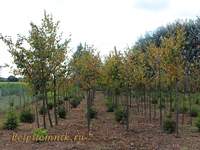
[
  {"x": 11, "y": 78},
  {"x": 192, "y": 38}
]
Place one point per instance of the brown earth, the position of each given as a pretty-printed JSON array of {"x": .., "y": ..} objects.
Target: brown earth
[{"x": 105, "y": 132}]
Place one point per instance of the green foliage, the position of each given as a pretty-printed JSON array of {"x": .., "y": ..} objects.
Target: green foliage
[
  {"x": 93, "y": 112},
  {"x": 60, "y": 102},
  {"x": 162, "y": 104},
  {"x": 12, "y": 79},
  {"x": 11, "y": 120},
  {"x": 184, "y": 109},
  {"x": 74, "y": 103},
  {"x": 194, "y": 111},
  {"x": 169, "y": 115},
  {"x": 11, "y": 103},
  {"x": 163, "y": 98},
  {"x": 41, "y": 109},
  {"x": 169, "y": 126},
  {"x": 154, "y": 101},
  {"x": 79, "y": 98},
  {"x": 197, "y": 123},
  {"x": 15, "y": 88},
  {"x": 109, "y": 105},
  {"x": 26, "y": 116},
  {"x": 62, "y": 113},
  {"x": 119, "y": 114},
  {"x": 83, "y": 95},
  {"x": 40, "y": 96},
  {"x": 51, "y": 104},
  {"x": 40, "y": 133},
  {"x": 66, "y": 98}
]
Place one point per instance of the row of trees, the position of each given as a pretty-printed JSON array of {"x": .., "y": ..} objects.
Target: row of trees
[
  {"x": 157, "y": 62},
  {"x": 160, "y": 67}
]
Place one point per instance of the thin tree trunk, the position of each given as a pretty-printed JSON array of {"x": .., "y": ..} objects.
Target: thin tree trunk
[
  {"x": 141, "y": 99},
  {"x": 38, "y": 125},
  {"x": 160, "y": 98},
  {"x": 88, "y": 112},
  {"x": 189, "y": 96},
  {"x": 155, "y": 98},
  {"x": 43, "y": 97},
  {"x": 183, "y": 105},
  {"x": 127, "y": 109},
  {"x": 130, "y": 98},
  {"x": 170, "y": 93},
  {"x": 48, "y": 109},
  {"x": 55, "y": 101},
  {"x": 149, "y": 96},
  {"x": 144, "y": 102},
  {"x": 176, "y": 105}
]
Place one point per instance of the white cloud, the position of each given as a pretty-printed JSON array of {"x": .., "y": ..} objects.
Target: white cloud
[{"x": 100, "y": 22}]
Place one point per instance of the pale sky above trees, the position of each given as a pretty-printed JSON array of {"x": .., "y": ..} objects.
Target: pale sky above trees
[{"x": 104, "y": 23}]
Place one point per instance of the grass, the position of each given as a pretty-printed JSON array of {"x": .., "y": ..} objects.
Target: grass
[
  {"x": 5, "y": 99},
  {"x": 13, "y": 82}
]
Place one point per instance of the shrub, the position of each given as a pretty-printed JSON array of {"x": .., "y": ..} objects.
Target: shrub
[
  {"x": 40, "y": 97},
  {"x": 154, "y": 101},
  {"x": 83, "y": 95},
  {"x": 40, "y": 133},
  {"x": 184, "y": 109},
  {"x": 51, "y": 104},
  {"x": 109, "y": 105},
  {"x": 162, "y": 104},
  {"x": 169, "y": 126},
  {"x": 26, "y": 116},
  {"x": 11, "y": 120},
  {"x": 197, "y": 123},
  {"x": 62, "y": 113},
  {"x": 93, "y": 112},
  {"x": 194, "y": 111},
  {"x": 169, "y": 115},
  {"x": 119, "y": 114},
  {"x": 66, "y": 98},
  {"x": 74, "y": 103},
  {"x": 163, "y": 98},
  {"x": 60, "y": 102},
  {"x": 78, "y": 99},
  {"x": 173, "y": 106},
  {"x": 41, "y": 109}
]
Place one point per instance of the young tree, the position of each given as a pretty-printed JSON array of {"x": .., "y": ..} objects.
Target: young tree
[
  {"x": 44, "y": 56},
  {"x": 171, "y": 55}
]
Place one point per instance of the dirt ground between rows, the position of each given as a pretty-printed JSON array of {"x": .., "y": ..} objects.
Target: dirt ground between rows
[{"x": 105, "y": 132}]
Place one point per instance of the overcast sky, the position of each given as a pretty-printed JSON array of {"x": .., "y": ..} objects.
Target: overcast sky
[{"x": 104, "y": 23}]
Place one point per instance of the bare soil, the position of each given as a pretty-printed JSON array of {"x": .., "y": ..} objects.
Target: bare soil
[{"x": 105, "y": 132}]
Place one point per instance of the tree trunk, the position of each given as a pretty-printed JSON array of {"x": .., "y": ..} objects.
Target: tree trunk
[
  {"x": 38, "y": 125},
  {"x": 48, "y": 109},
  {"x": 130, "y": 98},
  {"x": 160, "y": 98},
  {"x": 144, "y": 102},
  {"x": 88, "y": 112},
  {"x": 55, "y": 101},
  {"x": 155, "y": 98},
  {"x": 43, "y": 97},
  {"x": 170, "y": 93},
  {"x": 141, "y": 99},
  {"x": 127, "y": 109},
  {"x": 189, "y": 96},
  {"x": 176, "y": 105},
  {"x": 149, "y": 96}
]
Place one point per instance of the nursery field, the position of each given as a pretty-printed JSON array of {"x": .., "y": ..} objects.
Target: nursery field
[
  {"x": 105, "y": 132},
  {"x": 16, "y": 91}
]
